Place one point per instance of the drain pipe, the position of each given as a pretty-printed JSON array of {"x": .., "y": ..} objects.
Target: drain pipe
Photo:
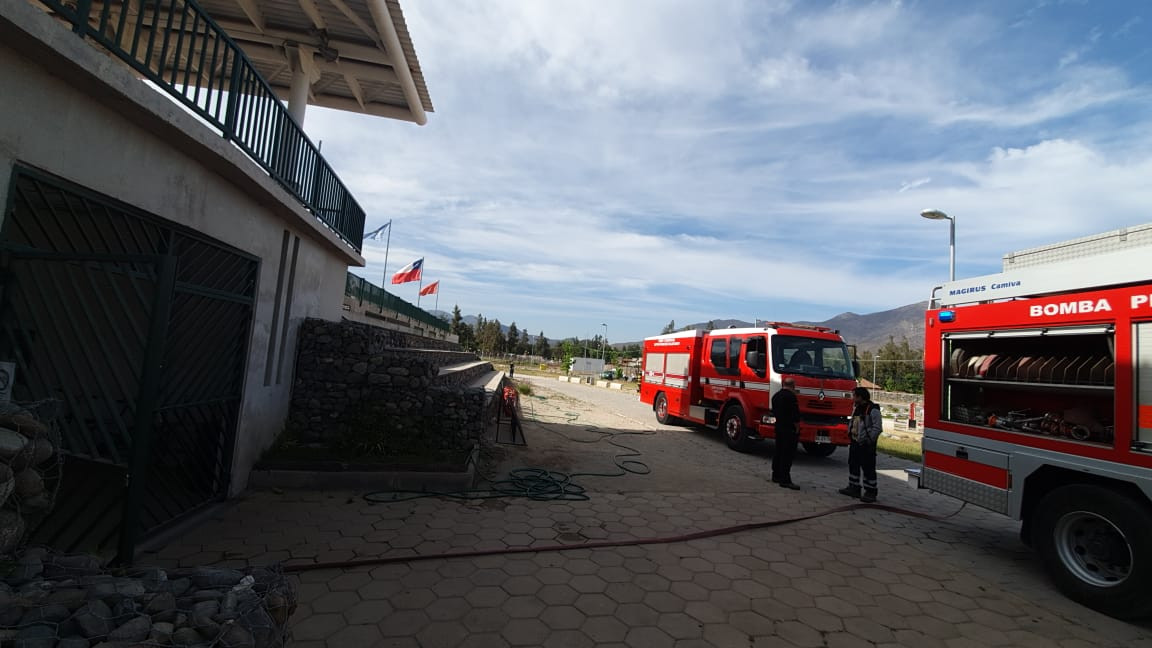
[{"x": 387, "y": 29}]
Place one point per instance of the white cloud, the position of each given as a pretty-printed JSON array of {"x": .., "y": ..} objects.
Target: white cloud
[{"x": 643, "y": 161}]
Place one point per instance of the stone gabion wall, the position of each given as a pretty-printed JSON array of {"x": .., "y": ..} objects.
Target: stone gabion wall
[{"x": 347, "y": 372}]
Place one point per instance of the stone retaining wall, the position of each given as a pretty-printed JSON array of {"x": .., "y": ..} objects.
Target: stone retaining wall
[{"x": 348, "y": 377}]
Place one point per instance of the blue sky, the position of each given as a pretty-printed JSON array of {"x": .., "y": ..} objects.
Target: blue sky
[{"x": 636, "y": 162}]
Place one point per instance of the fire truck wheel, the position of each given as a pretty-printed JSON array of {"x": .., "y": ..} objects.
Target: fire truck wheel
[
  {"x": 661, "y": 407},
  {"x": 735, "y": 433},
  {"x": 1096, "y": 544},
  {"x": 819, "y": 449}
]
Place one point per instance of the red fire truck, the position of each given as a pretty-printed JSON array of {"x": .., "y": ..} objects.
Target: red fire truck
[
  {"x": 727, "y": 378},
  {"x": 1038, "y": 405}
]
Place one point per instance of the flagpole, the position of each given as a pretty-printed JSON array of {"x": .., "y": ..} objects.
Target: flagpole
[
  {"x": 421, "y": 288},
  {"x": 387, "y": 246},
  {"x": 437, "y": 306}
]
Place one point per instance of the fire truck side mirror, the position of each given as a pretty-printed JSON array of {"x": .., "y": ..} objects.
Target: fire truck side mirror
[{"x": 856, "y": 369}]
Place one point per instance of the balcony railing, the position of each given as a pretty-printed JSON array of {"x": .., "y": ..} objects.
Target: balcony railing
[
  {"x": 369, "y": 293},
  {"x": 178, "y": 47}
]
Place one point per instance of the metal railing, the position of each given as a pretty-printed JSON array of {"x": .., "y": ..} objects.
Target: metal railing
[
  {"x": 178, "y": 47},
  {"x": 369, "y": 293}
]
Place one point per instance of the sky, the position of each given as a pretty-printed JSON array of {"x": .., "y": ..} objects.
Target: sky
[{"x": 631, "y": 163}]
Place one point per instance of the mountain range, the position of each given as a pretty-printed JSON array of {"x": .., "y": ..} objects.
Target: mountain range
[{"x": 868, "y": 331}]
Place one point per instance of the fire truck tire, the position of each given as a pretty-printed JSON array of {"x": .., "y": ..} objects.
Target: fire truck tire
[
  {"x": 733, "y": 428},
  {"x": 661, "y": 408},
  {"x": 819, "y": 449},
  {"x": 1096, "y": 545}
]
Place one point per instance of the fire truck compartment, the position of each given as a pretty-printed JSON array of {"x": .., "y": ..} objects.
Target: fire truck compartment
[{"x": 1056, "y": 382}]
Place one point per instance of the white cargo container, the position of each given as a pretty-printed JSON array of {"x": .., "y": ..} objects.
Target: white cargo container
[
  {"x": 587, "y": 366},
  {"x": 1114, "y": 241}
]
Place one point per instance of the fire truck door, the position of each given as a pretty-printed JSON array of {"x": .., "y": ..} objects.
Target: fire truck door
[
  {"x": 967, "y": 472},
  {"x": 1143, "y": 431}
]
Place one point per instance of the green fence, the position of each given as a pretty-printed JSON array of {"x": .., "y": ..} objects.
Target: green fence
[
  {"x": 369, "y": 293},
  {"x": 177, "y": 46}
]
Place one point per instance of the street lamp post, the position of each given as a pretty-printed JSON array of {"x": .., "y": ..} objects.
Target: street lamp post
[
  {"x": 875, "y": 358},
  {"x": 604, "y": 344},
  {"x": 936, "y": 214}
]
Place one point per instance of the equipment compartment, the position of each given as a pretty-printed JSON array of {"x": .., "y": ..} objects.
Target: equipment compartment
[{"x": 1056, "y": 383}]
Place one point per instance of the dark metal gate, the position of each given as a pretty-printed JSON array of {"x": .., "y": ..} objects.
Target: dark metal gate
[{"x": 140, "y": 328}]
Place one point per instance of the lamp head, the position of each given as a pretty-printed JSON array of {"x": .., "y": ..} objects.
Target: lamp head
[{"x": 935, "y": 214}]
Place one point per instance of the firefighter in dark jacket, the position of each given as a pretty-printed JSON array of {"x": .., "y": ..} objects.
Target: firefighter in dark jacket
[
  {"x": 786, "y": 409},
  {"x": 865, "y": 430}
]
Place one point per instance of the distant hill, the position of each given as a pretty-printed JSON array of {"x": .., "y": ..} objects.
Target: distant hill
[{"x": 866, "y": 331}]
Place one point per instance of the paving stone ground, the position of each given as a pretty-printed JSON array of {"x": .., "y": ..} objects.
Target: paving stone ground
[{"x": 861, "y": 578}]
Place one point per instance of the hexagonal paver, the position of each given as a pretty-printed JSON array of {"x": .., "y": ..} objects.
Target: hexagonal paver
[
  {"x": 595, "y": 604},
  {"x": 799, "y": 634},
  {"x": 568, "y": 639},
  {"x": 349, "y": 582},
  {"x": 665, "y": 602},
  {"x": 521, "y": 585},
  {"x": 562, "y": 617},
  {"x": 752, "y": 624},
  {"x": 588, "y": 584},
  {"x": 867, "y": 629},
  {"x": 558, "y": 595},
  {"x": 604, "y": 629},
  {"x": 637, "y": 615},
  {"x": 416, "y": 599},
  {"x": 647, "y": 638},
  {"x": 448, "y": 609},
  {"x": 485, "y": 620},
  {"x": 820, "y": 620},
  {"x": 488, "y": 577},
  {"x": 404, "y": 623},
  {"x": 845, "y": 640},
  {"x": 442, "y": 634},
  {"x": 523, "y": 607},
  {"x": 381, "y": 589},
  {"x": 680, "y": 626},
  {"x": 525, "y": 632},
  {"x": 318, "y": 627},
  {"x": 355, "y": 635},
  {"x": 335, "y": 602},
  {"x": 625, "y": 593},
  {"x": 486, "y": 597},
  {"x": 706, "y": 612},
  {"x": 368, "y": 612}
]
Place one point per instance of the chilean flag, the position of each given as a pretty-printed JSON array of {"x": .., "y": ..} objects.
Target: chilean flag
[
  {"x": 430, "y": 289},
  {"x": 410, "y": 272}
]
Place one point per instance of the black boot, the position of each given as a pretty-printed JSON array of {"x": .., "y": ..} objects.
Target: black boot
[
  {"x": 850, "y": 491},
  {"x": 869, "y": 496}
]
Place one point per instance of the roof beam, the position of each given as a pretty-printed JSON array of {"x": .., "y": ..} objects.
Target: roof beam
[
  {"x": 273, "y": 36},
  {"x": 358, "y": 21},
  {"x": 354, "y": 86},
  {"x": 252, "y": 10},
  {"x": 387, "y": 29},
  {"x": 270, "y": 54},
  {"x": 313, "y": 12}
]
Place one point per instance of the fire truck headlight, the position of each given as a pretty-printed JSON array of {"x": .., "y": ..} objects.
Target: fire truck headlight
[{"x": 768, "y": 419}]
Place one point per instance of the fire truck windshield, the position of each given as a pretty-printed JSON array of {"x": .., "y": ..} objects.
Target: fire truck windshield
[{"x": 811, "y": 357}]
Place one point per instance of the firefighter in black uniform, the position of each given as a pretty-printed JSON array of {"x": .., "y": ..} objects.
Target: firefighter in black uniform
[{"x": 786, "y": 409}]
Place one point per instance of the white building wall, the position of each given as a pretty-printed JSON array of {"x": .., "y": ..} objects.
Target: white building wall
[{"x": 73, "y": 111}]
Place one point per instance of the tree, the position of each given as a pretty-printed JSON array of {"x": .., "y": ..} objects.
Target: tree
[
  {"x": 467, "y": 337},
  {"x": 513, "y": 339},
  {"x": 543, "y": 349},
  {"x": 671, "y": 328},
  {"x": 711, "y": 326},
  {"x": 897, "y": 366},
  {"x": 456, "y": 321}
]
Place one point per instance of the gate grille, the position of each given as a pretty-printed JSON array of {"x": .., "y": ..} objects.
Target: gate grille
[{"x": 81, "y": 285}]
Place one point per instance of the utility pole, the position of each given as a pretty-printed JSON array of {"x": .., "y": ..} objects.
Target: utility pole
[{"x": 875, "y": 358}]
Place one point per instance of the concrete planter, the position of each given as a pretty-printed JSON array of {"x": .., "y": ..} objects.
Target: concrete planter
[{"x": 338, "y": 476}]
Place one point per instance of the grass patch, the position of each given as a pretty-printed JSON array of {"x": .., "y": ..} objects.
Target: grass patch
[
  {"x": 524, "y": 388},
  {"x": 900, "y": 448}
]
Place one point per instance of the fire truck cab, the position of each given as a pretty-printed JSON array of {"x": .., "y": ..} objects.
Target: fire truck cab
[
  {"x": 1038, "y": 405},
  {"x": 727, "y": 378}
]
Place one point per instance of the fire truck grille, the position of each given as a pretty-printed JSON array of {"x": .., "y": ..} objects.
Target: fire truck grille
[{"x": 820, "y": 405}]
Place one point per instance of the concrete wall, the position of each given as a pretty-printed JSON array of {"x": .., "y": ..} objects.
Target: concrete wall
[{"x": 76, "y": 112}]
